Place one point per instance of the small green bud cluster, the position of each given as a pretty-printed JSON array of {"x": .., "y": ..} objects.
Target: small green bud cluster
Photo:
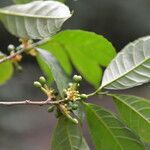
[
  {"x": 41, "y": 82},
  {"x": 77, "y": 78},
  {"x": 72, "y": 93},
  {"x": 73, "y": 106},
  {"x": 71, "y": 97},
  {"x": 56, "y": 111},
  {"x": 15, "y": 60}
]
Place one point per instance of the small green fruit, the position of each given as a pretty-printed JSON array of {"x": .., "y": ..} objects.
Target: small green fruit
[
  {"x": 75, "y": 121},
  {"x": 42, "y": 80},
  {"x": 77, "y": 78},
  {"x": 64, "y": 92},
  {"x": 70, "y": 103},
  {"x": 37, "y": 84},
  {"x": 75, "y": 106}
]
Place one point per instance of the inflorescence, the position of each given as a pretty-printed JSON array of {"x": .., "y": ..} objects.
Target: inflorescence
[{"x": 70, "y": 100}]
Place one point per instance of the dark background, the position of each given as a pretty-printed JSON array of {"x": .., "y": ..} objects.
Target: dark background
[{"x": 30, "y": 127}]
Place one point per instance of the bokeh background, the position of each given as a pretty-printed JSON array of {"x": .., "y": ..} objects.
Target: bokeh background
[{"x": 30, "y": 127}]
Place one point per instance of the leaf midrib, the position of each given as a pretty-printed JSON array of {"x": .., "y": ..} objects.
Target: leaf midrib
[
  {"x": 69, "y": 137},
  {"x": 105, "y": 125},
  {"x": 124, "y": 74},
  {"x": 7, "y": 12},
  {"x": 132, "y": 108}
]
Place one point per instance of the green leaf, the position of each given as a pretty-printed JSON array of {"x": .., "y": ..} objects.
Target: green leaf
[
  {"x": 135, "y": 111},
  {"x": 60, "y": 55},
  {"x": 58, "y": 74},
  {"x": 45, "y": 69},
  {"x": 35, "y": 20},
  {"x": 87, "y": 51},
  {"x": 22, "y": 1},
  {"x": 108, "y": 132},
  {"x": 87, "y": 67},
  {"x": 67, "y": 136},
  {"x": 6, "y": 70},
  {"x": 63, "y": 1},
  {"x": 94, "y": 46},
  {"x": 130, "y": 68},
  {"x": 27, "y": 1}
]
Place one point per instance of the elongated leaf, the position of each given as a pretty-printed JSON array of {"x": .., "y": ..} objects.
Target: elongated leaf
[
  {"x": 130, "y": 68},
  {"x": 6, "y": 70},
  {"x": 63, "y": 1},
  {"x": 108, "y": 133},
  {"x": 60, "y": 55},
  {"x": 87, "y": 51},
  {"x": 27, "y": 1},
  {"x": 67, "y": 136},
  {"x": 135, "y": 111},
  {"x": 35, "y": 20},
  {"x": 45, "y": 69},
  {"x": 58, "y": 74},
  {"x": 22, "y": 1}
]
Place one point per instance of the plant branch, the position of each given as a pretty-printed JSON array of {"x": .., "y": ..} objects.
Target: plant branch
[
  {"x": 21, "y": 50},
  {"x": 29, "y": 102},
  {"x": 97, "y": 92}
]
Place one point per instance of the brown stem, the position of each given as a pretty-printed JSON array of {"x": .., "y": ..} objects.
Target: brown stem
[
  {"x": 11, "y": 56},
  {"x": 29, "y": 102},
  {"x": 21, "y": 50}
]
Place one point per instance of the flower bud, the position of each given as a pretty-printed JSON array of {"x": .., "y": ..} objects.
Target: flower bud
[
  {"x": 42, "y": 80},
  {"x": 37, "y": 84},
  {"x": 75, "y": 121},
  {"x": 11, "y": 47},
  {"x": 70, "y": 84},
  {"x": 75, "y": 106},
  {"x": 77, "y": 78}
]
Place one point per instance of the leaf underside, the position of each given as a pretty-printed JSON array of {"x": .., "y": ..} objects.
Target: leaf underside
[
  {"x": 108, "y": 133},
  {"x": 135, "y": 112},
  {"x": 45, "y": 69},
  {"x": 27, "y": 1},
  {"x": 130, "y": 68},
  {"x": 55, "y": 68},
  {"x": 60, "y": 55},
  {"x": 35, "y": 20}
]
